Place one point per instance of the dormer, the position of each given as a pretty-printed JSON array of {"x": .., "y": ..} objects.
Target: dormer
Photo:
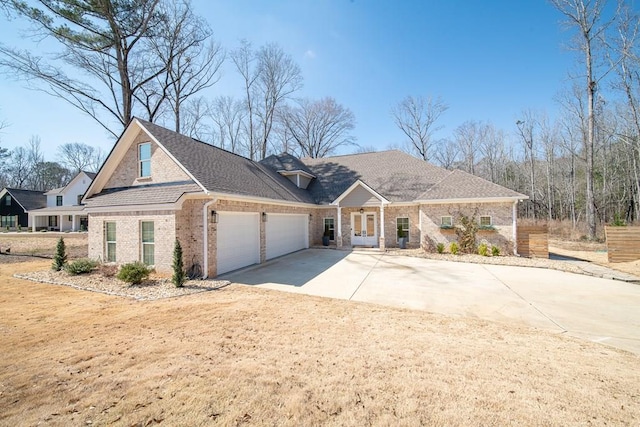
[{"x": 300, "y": 178}]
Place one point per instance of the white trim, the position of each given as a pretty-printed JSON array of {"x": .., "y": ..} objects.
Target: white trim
[
  {"x": 296, "y": 172},
  {"x": 408, "y": 230},
  {"x": 346, "y": 192},
  {"x": 514, "y": 215},
  {"x": 485, "y": 216},
  {"x": 471, "y": 200},
  {"x": 264, "y": 200},
  {"x": 363, "y": 221},
  {"x": 140, "y": 160},
  {"x": 334, "y": 227},
  {"x": 445, "y": 225},
  {"x": 205, "y": 237}
]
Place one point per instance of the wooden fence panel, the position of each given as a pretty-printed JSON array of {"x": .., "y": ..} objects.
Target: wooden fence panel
[
  {"x": 623, "y": 243},
  {"x": 533, "y": 241}
]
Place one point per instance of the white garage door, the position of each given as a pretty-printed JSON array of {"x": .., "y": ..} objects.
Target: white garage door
[
  {"x": 238, "y": 242},
  {"x": 286, "y": 234}
]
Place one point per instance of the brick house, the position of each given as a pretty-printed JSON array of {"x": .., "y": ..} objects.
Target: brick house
[{"x": 229, "y": 212}]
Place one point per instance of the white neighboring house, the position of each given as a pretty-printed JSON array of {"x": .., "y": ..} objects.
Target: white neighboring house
[{"x": 64, "y": 211}]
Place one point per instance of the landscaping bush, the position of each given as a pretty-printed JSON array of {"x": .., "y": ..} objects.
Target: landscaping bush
[
  {"x": 483, "y": 249},
  {"x": 466, "y": 231},
  {"x": 440, "y": 248},
  {"x": 108, "y": 270},
  {"x": 60, "y": 257},
  {"x": 134, "y": 273},
  {"x": 179, "y": 277},
  {"x": 495, "y": 251},
  {"x": 81, "y": 266},
  {"x": 454, "y": 248}
]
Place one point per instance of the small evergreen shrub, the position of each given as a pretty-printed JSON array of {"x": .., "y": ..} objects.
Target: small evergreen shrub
[
  {"x": 483, "y": 249},
  {"x": 440, "y": 248},
  {"x": 618, "y": 221},
  {"x": 107, "y": 270},
  {"x": 60, "y": 257},
  {"x": 134, "y": 273},
  {"x": 495, "y": 251},
  {"x": 179, "y": 276},
  {"x": 81, "y": 266},
  {"x": 454, "y": 248}
]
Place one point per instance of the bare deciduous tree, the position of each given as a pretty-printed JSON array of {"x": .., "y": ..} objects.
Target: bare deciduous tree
[
  {"x": 416, "y": 117},
  {"x": 586, "y": 17},
  {"x": 76, "y": 157},
  {"x": 270, "y": 77},
  {"x": 319, "y": 127},
  {"x": 468, "y": 137},
  {"x": 228, "y": 116}
]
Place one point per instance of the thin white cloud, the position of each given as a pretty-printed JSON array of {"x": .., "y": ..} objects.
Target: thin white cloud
[{"x": 310, "y": 54}]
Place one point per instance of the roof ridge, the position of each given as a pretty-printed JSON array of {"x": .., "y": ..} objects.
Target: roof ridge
[{"x": 354, "y": 154}]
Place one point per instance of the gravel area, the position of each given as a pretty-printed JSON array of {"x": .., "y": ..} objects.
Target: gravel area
[{"x": 152, "y": 289}]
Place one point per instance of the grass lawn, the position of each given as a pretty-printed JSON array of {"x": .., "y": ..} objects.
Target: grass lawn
[{"x": 248, "y": 356}]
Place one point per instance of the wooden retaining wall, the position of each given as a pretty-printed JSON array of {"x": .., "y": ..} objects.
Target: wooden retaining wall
[
  {"x": 623, "y": 243},
  {"x": 533, "y": 241}
]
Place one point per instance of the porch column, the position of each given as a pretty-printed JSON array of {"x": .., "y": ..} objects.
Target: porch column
[
  {"x": 73, "y": 223},
  {"x": 34, "y": 221},
  {"x": 60, "y": 222},
  {"x": 382, "y": 247},
  {"x": 514, "y": 215},
  {"x": 339, "y": 234}
]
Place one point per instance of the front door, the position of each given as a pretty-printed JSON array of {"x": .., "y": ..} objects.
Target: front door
[{"x": 364, "y": 229}]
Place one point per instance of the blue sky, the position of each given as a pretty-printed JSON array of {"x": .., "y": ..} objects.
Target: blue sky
[{"x": 488, "y": 60}]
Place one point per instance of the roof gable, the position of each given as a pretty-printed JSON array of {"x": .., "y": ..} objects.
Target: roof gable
[
  {"x": 27, "y": 199},
  {"x": 462, "y": 185},
  {"x": 359, "y": 194}
]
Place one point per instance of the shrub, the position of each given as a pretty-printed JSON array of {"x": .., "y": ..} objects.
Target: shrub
[
  {"x": 134, "y": 273},
  {"x": 454, "y": 248},
  {"x": 178, "y": 278},
  {"x": 81, "y": 266},
  {"x": 495, "y": 251},
  {"x": 466, "y": 232},
  {"x": 440, "y": 248},
  {"x": 60, "y": 257},
  {"x": 618, "y": 221},
  {"x": 483, "y": 249}
]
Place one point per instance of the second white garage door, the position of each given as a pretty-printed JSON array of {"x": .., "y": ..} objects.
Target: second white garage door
[
  {"x": 286, "y": 234},
  {"x": 238, "y": 242}
]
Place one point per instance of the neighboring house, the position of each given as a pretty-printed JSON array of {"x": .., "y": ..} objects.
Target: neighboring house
[
  {"x": 64, "y": 210},
  {"x": 229, "y": 212},
  {"x": 15, "y": 204}
]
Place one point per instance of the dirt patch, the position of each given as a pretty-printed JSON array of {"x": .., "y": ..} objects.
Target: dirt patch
[
  {"x": 592, "y": 252},
  {"x": 243, "y": 355}
]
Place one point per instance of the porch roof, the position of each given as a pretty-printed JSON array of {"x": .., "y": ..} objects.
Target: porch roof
[
  {"x": 356, "y": 195},
  {"x": 59, "y": 210}
]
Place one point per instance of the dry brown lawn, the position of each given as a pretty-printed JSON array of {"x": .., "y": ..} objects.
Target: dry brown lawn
[
  {"x": 247, "y": 356},
  {"x": 43, "y": 244},
  {"x": 593, "y": 252}
]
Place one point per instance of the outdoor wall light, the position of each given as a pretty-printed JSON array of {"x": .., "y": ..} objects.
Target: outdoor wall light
[
  {"x": 361, "y": 210},
  {"x": 214, "y": 217},
  {"x": 264, "y": 217}
]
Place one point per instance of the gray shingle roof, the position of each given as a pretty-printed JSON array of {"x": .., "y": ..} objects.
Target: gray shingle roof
[
  {"x": 285, "y": 162},
  {"x": 462, "y": 185},
  {"x": 28, "y": 199},
  {"x": 397, "y": 176},
  {"x": 221, "y": 171},
  {"x": 143, "y": 194}
]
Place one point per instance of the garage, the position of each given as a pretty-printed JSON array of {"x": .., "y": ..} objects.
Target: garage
[
  {"x": 286, "y": 233},
  {"x": 238, "y": 240}
]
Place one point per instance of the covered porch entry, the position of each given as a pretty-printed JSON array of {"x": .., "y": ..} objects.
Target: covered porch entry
[
  {"x": 360, "y": 217},
  {"x": 59, "y": 218}
]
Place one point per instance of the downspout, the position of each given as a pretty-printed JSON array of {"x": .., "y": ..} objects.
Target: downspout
[
  {"x": 205, "y": 237},
  {"x": 514, "y": 214}
]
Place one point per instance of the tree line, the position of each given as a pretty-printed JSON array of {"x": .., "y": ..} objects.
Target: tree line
[{"x": 155, "y": 58}]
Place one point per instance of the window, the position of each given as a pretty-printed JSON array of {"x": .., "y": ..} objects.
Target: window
[
  {"x": 7, "y": 200},
  {"x": 485, "y": 221},
  {"x": 8, "y": 221},
  {"x": 58, "y": 200},
  {"x": 446, "y": 222},
  {"x": 402, "y": 227},
  {"x": 329, "y": 224},
  {"x": 79, "y": 199},
  {"x": 144, "y": 158},
  {"x": 110, "y": 241},
  {"x": 53, "y": 221},
  {"x": 70, "y": 218},
  {"x": 147, "y": 242}
]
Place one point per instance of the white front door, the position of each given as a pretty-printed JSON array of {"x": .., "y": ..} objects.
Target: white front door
[{"x": 364, "y": 229}]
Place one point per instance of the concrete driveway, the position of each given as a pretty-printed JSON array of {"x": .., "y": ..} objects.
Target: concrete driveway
[{"x": 599, "y": 310}]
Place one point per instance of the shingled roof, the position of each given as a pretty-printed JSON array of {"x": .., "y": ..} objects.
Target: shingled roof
[
  {"x": 221, "y": 171},
  {"x": 285, "y": 162},
  {"x": 151, "y": 194},
  {"x": 397, "y": 176},
  {"x": 28, "y": 199}
]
